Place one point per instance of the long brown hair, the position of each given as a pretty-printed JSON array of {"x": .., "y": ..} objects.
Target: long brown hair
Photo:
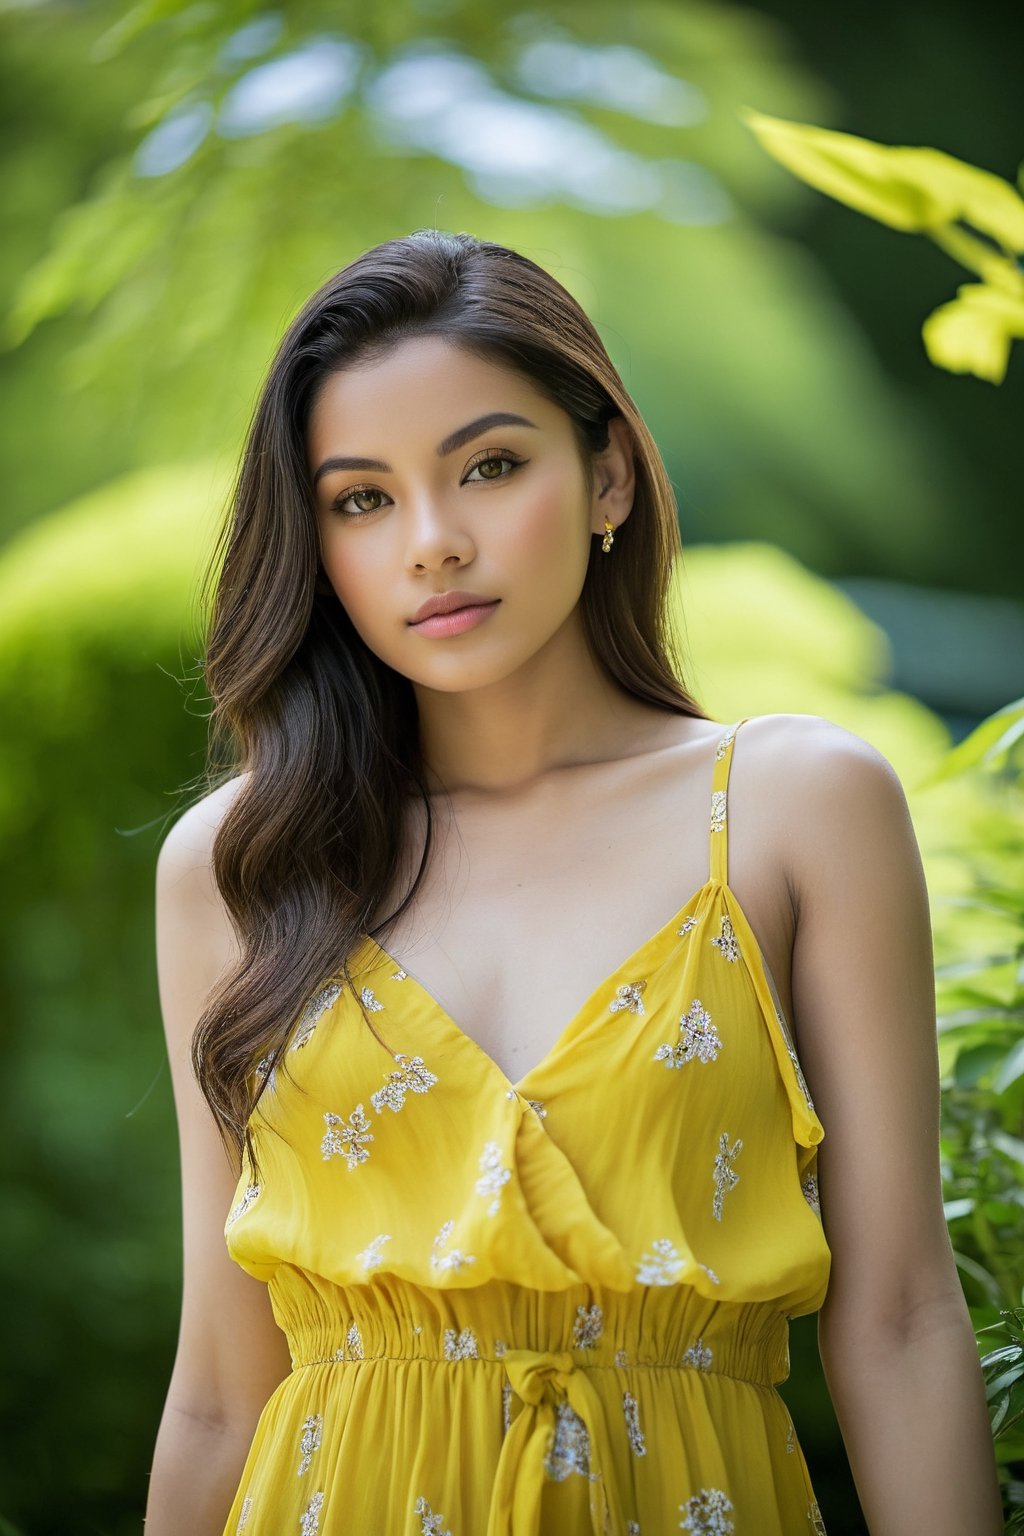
[{"x": 323, "y": 734}]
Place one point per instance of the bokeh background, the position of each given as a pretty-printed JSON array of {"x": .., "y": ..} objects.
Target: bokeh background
[{"x": 177, "y": 178}]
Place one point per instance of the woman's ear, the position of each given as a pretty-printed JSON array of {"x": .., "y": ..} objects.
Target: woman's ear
[{"x": 614, "y": 477}]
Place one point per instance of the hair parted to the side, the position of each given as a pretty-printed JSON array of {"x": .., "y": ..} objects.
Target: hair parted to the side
[{"x": 323, "y": 735}]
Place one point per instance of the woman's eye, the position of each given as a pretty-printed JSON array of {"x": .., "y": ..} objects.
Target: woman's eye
[
  {"x": 362, "y": 501},
  {"x": 491, "y": 467}
]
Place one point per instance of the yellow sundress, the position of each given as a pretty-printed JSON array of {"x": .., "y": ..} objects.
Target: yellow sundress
[{"x": 554, "y": 1306}]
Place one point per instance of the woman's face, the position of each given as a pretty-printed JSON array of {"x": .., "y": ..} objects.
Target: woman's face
[{"x": 437, "y": 471}]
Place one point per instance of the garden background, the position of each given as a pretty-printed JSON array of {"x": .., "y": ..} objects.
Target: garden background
[{"x": 177, "y": 178}]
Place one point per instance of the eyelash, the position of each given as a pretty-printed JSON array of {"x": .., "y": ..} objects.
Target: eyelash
[{"x": 490, "y": 456}]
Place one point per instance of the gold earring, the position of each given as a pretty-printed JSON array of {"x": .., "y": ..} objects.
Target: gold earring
[{"x": 609, "y": 534}]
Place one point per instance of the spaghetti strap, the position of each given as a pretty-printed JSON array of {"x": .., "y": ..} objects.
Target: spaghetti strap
[{"x": 719, "y": 838}]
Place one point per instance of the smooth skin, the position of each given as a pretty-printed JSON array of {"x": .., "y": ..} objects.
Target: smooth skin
[{"x": 560, "y": 782}]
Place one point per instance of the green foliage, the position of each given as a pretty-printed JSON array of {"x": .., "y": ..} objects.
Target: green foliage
[
  {"x": 988, "y": 746},
  {"x": 975, "y": 216},
  {"x": 980, "y": 992},
  {"x": 169, "y": 285},
  {"x": 96, "y": 737},
  {"x": 1003, "y": 1369}
]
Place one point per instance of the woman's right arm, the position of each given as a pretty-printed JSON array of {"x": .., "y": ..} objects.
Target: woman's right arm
[{"x": 231, "y": 1353}]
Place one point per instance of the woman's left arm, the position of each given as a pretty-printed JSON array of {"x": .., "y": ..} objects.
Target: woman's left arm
[{"x": 895, "y": 1336}]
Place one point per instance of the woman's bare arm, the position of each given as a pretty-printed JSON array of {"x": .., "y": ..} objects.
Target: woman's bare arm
[
  {"x": 895, "y": 1335},
  {"x": 231, "y": 1353}
]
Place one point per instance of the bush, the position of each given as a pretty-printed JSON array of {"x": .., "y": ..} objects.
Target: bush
[{"x": 980, "y": 976}]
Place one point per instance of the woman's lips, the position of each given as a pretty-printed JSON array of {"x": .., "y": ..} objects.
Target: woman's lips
[{"x": 458, "y": 621}]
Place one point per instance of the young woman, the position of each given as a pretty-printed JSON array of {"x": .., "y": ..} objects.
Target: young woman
[{"x": 508, "y": 975}]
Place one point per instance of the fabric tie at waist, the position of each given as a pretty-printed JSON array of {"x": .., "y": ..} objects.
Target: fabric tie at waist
[{"x": 560, "y": 1430}]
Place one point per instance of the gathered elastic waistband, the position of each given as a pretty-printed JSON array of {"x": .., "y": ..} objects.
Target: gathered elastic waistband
[{"x": 651, "y": 1328}]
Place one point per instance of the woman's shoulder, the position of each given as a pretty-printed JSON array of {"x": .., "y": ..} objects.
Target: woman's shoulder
[
  {"x": 188, "y": 845},
  {"x": 809, "y": 755},
  {"x": 807, "y": 743},
  {"x": 196, "y": 937},
  {"x": 835, "y": 798}
]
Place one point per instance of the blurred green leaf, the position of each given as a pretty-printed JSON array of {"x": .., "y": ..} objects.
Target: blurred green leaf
[
  {"x": 1011, "y": 1070},
  {"x": 973, "y": 333},
  {"x": 915, "y": 190},
  {"x": 986, "y": 745},
  {"x": 926, "y": 192}
]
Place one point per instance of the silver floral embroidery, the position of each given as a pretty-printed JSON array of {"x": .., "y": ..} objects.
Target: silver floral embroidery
[
  {"x": 418, "y": 1328},
  {"x": 506, "y": 1406},
  {"x": 431, "y": 1524},
  {"x": 412, "y": 1077},
  {"x": 633, "y": 1430},
  {"x": 718, "y": 810},
  {"x": 621, "y": 1359},
  {"x": 661, "y": 1265},
  {"x": 810, "y": 1193},
  {"x": 800, "y": 1077},
  {"x": 348, "y": 1141},
  {"x": 339, "y": 1353},
  {"x": 460, "y": 1346},
  {"x": 252, "y": 1194},
  {"x": 265, "y": 1069},
  {"x": 243, "y": 1514},
  {"x": 707, "y": 1514},
  {"x": 309, "y": 1520},
  {"x": 797, "y": 1069},
  {"x": 500, "y": 1348},
  {"x": 816, "y": 1522},
  {"x": 453, "y": 1260},
  {"x": 632, "y": 1528},
  {"x": 370, "y": 1000},
  {"x": 537, "y": 1105},
  {"x": 689, "y": 923},
  {"x": 588, "y": 1327},
  {"x": 710, "y": 1274},
  {"x": 628, "y": 998},
  {"x": 371, "y": 1255},
  {"x": 399, "y": 975},
  {"x": 312, "y": 1434},
  {"x": 727, "y": 942},
  {"x": 698, "y": 1039},
  {"x": 354, "y": 1343},
  {"x": 725, "y": 1176},
  {"x": 790, "y": 1438},
  {"x": 493, "y": 1176},
  {"x": 724, "y": 744},
  {"x": 699, "y": 1356},
  {"x": 313, "y": 1012},
  {"x": 570, "y": 1447}
]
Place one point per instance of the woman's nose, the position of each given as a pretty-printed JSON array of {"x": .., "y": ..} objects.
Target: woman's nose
[{"x": 436, "y": 531}]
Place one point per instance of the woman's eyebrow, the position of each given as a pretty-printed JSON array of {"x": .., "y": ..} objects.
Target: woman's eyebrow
[
  {"x": 456, "y": 439},
  {"x": 482, "y": 424}
]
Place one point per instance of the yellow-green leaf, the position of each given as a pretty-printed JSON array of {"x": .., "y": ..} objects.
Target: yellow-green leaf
[
  {"x": 909, "y": 189},
  {"x": 973, "y": 332}
]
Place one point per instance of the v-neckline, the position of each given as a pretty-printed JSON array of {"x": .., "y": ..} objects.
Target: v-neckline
[{"x": 639, "y": 959}]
